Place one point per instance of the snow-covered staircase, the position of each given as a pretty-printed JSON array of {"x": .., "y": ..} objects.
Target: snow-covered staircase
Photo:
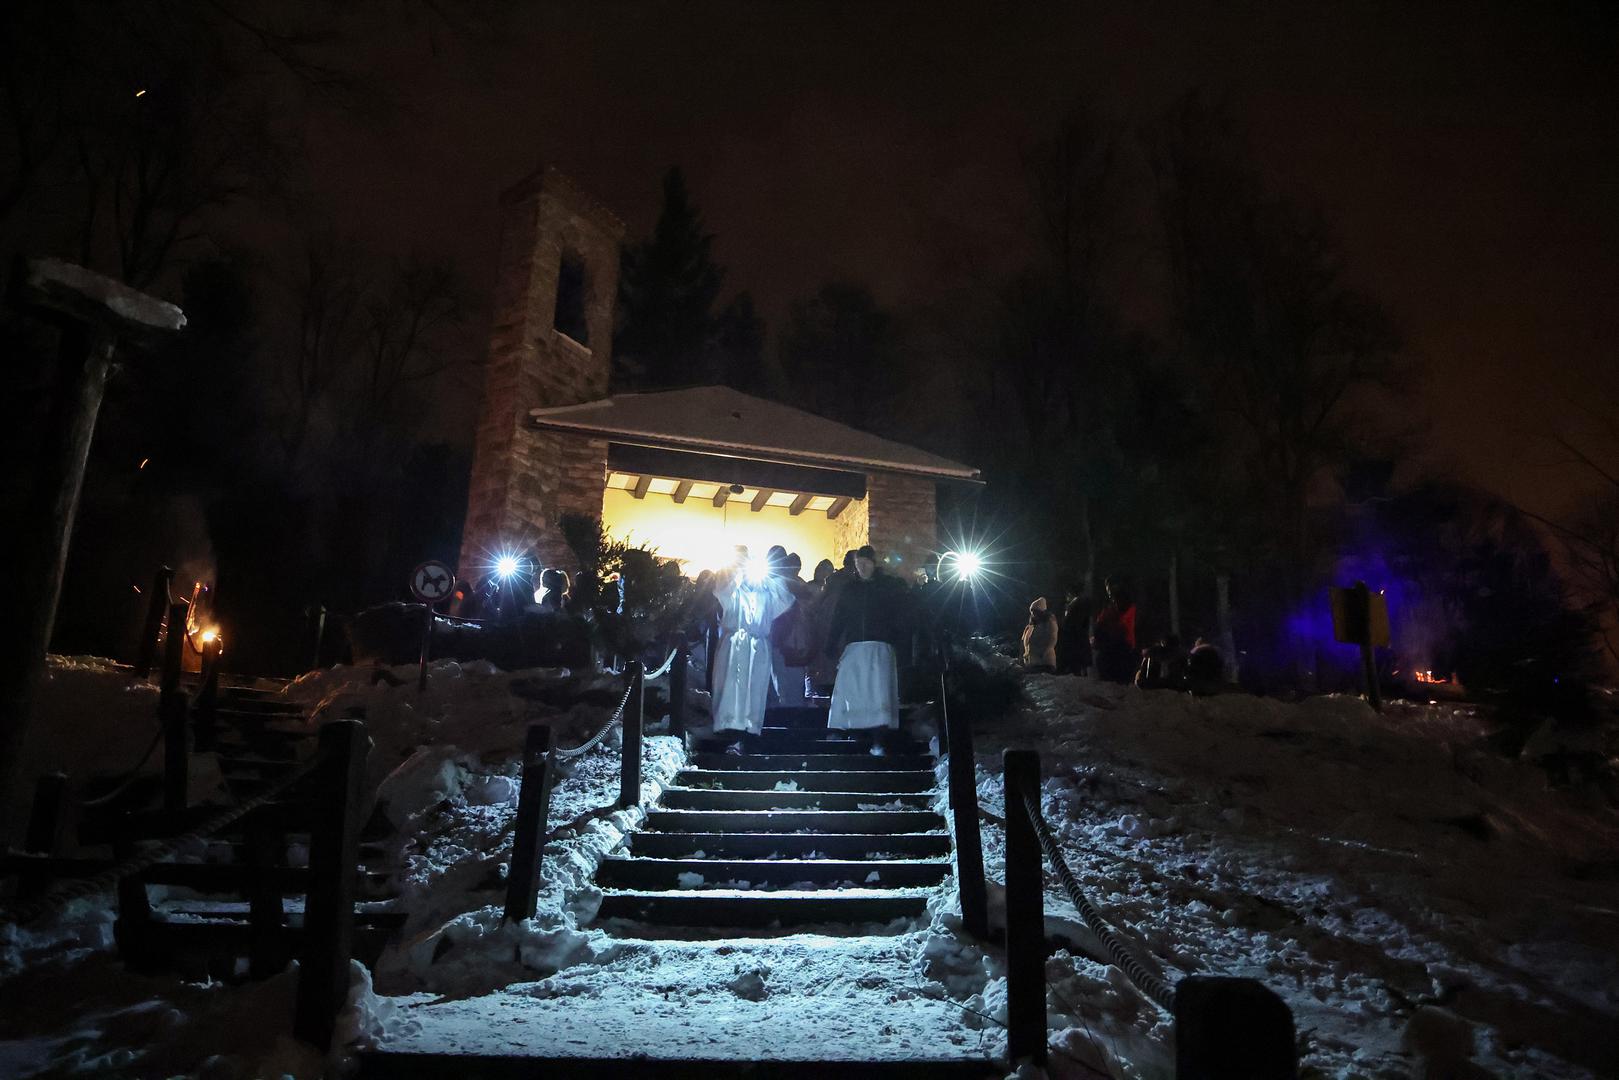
[{"x": 806, "y": 829}]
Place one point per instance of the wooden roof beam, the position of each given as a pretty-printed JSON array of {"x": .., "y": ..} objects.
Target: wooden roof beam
[
  {"x": 642, "y": 483},
  {"x": 839, "y": 505},
  {"x": 682, "y": 489},
  {"x": 723, "y": 495},
  {"x": 799, "y": 504},
  {"x": 763, "y": 497}
]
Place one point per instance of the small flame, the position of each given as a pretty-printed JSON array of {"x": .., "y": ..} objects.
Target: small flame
[
  {"x": 142, "y": 465},
  {"x": 140, "y": 93}
]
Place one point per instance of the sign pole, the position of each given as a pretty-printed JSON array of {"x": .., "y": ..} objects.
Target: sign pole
[
  {"x": 427, "y": 648},
  {"x": 432, "y": 582}
]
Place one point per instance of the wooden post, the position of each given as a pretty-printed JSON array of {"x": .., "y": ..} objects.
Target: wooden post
[
  {"x": 156, "y": 605},
  {"x": 533, "y": 811},
  {"x": 94, "y": 312},
  {"x": 334, "y": 855},
  {"x": 964, "y": 815},
  {"x": 205, "y": 712},
  {"x": 134, "y": 906},
  {"x": 1232, "y": 1028},
  {"x": 629, "y": 792},
  {"x": 711, "y": 635},
  {"x": 171, "y": 707},
  {"x": 677, "y": 691},
  {"x": 44, "y": 825},
  {"x": 1025, "y": 913},
  {"x": 265, "y": 849}
]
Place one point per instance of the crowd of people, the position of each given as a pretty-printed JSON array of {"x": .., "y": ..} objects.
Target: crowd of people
[
  {"x": 837, "y": 637},
  {"x": 1077, "y": 643}
]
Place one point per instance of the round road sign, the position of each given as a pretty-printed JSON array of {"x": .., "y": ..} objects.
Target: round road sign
[{"x": 432, "y": 581}]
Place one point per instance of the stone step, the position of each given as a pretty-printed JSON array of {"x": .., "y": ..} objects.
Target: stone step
[
  {"x": 414, "y": 1065},
  {"x": 617, "y": 872},
  {"x": 812, "y": 762},
  {"x": 763, "y": 911},
  {"x": 677, "y": 798},
  {"x": 788, "y": 846},
  {"x": 800, "y": 716},
  {"x": 823, "y": 780},
  {"x": 783, "y": 741},
  {"x": 790, "y": 821}
]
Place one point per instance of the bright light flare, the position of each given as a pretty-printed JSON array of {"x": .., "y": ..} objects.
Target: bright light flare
[
  {"x": 506, "y": 566},
  {"x": 756, "y": 570},
  {"x": 967, "y": 564},
  {"x": 209, "y": 635}
]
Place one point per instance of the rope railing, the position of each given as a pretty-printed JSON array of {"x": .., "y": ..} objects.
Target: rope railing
[
  {"x": 667, "y": 664},
  {"x": 109, "y": 878},
  {"x": 601, "y": 732},
  {"x": 1156, "y": 989}
]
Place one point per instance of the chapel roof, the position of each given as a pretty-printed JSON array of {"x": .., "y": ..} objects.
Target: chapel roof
[{"x": 720, "y": 420}]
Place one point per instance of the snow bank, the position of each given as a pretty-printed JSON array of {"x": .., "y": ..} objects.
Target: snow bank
[
  {"x": 445, "y": 766},
  {"x": 1395, "y": 882}
]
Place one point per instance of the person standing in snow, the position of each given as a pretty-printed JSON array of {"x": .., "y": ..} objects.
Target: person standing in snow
[
  {"x": 867, "y": 627},
  {"x": 751, "y": 599},
  {"x": 1040, "y": 639},
  {"x": 1073, "y": 636},
  {"x": 1113, "y": 636}
]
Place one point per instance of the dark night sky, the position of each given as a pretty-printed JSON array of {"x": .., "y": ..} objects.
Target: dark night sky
[{"x": 1466, "y": 154}]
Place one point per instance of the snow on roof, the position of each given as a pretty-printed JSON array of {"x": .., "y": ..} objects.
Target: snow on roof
[{"x": 719, "y": 419}]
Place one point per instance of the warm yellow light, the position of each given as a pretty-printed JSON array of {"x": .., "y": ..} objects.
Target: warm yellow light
[
  {"x": 210, "y": 634},
  {"x": 702, "y": 536},
  {"x": 140, "y": 93}
]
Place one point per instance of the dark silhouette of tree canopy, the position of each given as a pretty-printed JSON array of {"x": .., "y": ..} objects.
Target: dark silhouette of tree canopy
[
  {"x": 668, "y": 285},
  {"x": 1287, "y": 353},
  {"x": 838, "y": 355}
]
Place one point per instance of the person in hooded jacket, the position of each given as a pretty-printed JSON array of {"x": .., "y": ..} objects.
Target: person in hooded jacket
[
  {"x": 1113, "y": 636},
  {"x": 1040, "y": 639}
]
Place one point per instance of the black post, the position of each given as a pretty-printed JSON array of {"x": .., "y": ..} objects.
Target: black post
[
  {"x": 1025, "y": 913},
  {"x": 427, "y": 648},
  {"x": 266, "y": 847},
  {"x": 334, "y": 855},
  {"x": 156, "y": 604},
  {"x": 964, "y": 814},
  {"x": 1228, "y": 1028},
  {"x": 44, "y": 825},
  {"x": 711, "y": 635},
  {"x": 629, "y": 792},
  {"x": 171, "y": 707},
  {"x": 677, "y": 691},
  {"x": 205, "y": 713},
  {"x": 533, "y": 811},
  {"x": 130, "y": 930}
]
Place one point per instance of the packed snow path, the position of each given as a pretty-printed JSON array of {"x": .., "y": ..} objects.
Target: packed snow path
[
  {"x": 774, "y": 911},
  {"x": 808, "y": 829}
]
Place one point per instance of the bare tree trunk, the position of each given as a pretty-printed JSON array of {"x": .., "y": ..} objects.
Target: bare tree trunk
[
  {"x": 1228, "y": 641},
  {"x": 1174, "y": 595},
  {"x": 1089, "y": 580}
]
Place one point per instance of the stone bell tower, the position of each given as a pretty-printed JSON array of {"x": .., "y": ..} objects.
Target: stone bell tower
[{"x": 551, "y": 344}]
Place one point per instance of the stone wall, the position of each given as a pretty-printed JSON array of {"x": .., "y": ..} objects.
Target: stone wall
[
  {"x": 523, "y": 480},
  {"x": 902, "y": 520},
  {"x": 849, "y": 529}
]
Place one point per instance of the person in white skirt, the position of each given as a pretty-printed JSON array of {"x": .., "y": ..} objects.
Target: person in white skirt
[
  {"x": 868, "y": 626},
  {"x": 751, "y": 598}
]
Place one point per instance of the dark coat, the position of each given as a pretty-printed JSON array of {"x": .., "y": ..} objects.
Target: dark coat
[{"x": 875, "y": 610}]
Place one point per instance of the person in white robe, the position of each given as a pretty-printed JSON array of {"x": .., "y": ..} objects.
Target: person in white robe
[
  {"x": 750, "y": 599},
  {"x": 867, "y": 625}
]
